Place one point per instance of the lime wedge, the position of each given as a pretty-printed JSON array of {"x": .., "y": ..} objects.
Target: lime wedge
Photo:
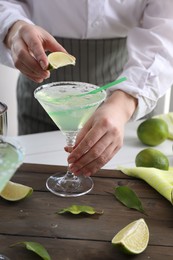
[
  {"x": 132, "y": 239},
  {"x": 60, "y": 59},
  {"x": 15, "y": 191}
]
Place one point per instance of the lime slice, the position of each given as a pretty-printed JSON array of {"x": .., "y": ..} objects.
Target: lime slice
[
  {"x": 15, "y": 191},
  {"x": 60, "y": 59},
  {"x": 132, "y": 239}
]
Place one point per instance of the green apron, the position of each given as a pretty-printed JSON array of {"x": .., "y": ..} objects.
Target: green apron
[{"x": 97, "y": 62}]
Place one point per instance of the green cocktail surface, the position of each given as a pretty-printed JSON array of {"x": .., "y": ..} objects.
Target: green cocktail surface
[
  {"x": 11, "y": 158},
  {"x": 68, "y": 111}
]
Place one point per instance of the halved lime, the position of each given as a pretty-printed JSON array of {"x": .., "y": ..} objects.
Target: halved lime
[
  {"x": 15, "y": 191},
  {"x": 60, "y": 59},
  {"x": 134, "y": 238}
]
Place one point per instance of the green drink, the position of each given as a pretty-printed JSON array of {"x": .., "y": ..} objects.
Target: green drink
[
  {"x": 11, "y": 157},
  {"x": 69, "y": 112}
]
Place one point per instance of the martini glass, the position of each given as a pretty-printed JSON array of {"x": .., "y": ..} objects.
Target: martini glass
[{"x": 69, "y": 112}]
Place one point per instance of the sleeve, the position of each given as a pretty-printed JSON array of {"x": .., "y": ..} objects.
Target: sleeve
[
  {"x": 10, "y": 12},
  {"x": 149, "y": 70}
]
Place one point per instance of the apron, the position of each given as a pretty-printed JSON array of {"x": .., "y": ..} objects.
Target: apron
[{"x": 97, "y": 62}]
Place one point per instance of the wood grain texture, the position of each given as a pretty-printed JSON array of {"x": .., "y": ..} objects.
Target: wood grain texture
[{"x": 82, "y": 237}]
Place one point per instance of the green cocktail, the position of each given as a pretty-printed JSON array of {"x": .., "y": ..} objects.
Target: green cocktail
[
  {"x": 69, "y": 112},
  {"x": 11, "y": 154},
  {"x": 11, "y": 157}
]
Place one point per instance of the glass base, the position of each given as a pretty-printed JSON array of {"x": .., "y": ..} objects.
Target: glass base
[{"x": 69, "y": 186}]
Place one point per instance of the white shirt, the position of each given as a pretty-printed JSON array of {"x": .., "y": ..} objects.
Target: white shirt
[{"x": 147, "y": 24}]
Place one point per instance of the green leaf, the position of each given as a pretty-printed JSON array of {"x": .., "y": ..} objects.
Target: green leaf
[
  {"x": 79, "y": 209},
  {"x": 129, "y": 198},
  {"x": 36, "y": 248}
]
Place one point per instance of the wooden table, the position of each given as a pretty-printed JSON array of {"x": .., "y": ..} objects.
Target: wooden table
[{"x": 68, "y": 237}]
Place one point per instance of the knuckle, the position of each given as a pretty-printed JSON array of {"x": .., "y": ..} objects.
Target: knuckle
[
  {"x": 102, "y": 160},
  {"x": 108, "y": 123},
  {"x": 95, "y": 153},
  {"x": 21, "y": 54},
  {"x": 90, "y": 169},
  {"x": 87, "y": 144}
]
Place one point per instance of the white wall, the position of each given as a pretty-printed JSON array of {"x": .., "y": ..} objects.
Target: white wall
[{"x": 8, "y": 79}]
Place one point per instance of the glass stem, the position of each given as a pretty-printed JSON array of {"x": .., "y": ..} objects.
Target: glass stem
[{"x": 70, "y": 141}]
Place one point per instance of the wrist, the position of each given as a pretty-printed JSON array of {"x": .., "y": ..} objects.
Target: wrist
[{"x": 124, "y": 104}]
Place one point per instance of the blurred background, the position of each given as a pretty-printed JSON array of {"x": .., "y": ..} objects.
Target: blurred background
[{"x": 8, "y": 79}]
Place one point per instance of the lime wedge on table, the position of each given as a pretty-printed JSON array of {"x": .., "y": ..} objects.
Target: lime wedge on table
[
  {"x": 15, "y": 191},
  {"x": 60, "y": 59},
  {"x": 132, "y": 239}
]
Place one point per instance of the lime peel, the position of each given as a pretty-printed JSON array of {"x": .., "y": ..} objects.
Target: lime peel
[
  {"x": 150, "y": 157},
  {"x": 134, "y": 238},
  {"x": 152, "y": 131}
]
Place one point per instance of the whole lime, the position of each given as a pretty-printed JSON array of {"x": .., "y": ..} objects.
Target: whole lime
[
  {"x": 150, "y": 157},
  {"x": 153, "y": 131}
]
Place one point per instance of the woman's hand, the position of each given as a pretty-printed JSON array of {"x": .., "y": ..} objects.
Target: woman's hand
[
  {"x": 28, "y": 44},
  {"x": 102, "y": 136}
]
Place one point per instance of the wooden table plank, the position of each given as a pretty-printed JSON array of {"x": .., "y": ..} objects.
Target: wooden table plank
[
  {"x": 80, "y": 237},
  {"x": 63, "y": 249},
  {"x": 32, "y": 219}
]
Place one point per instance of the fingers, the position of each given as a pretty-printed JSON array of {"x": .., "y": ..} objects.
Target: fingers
[
  {"x": 86, "y": 139},
  {"x": 95, "y": 150},
  {"x": 27, "y": 63},
  {"x": 28, "y": 46},
  {"x": 96, "y": 157},
  {"x": 42, "y": 41}
]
